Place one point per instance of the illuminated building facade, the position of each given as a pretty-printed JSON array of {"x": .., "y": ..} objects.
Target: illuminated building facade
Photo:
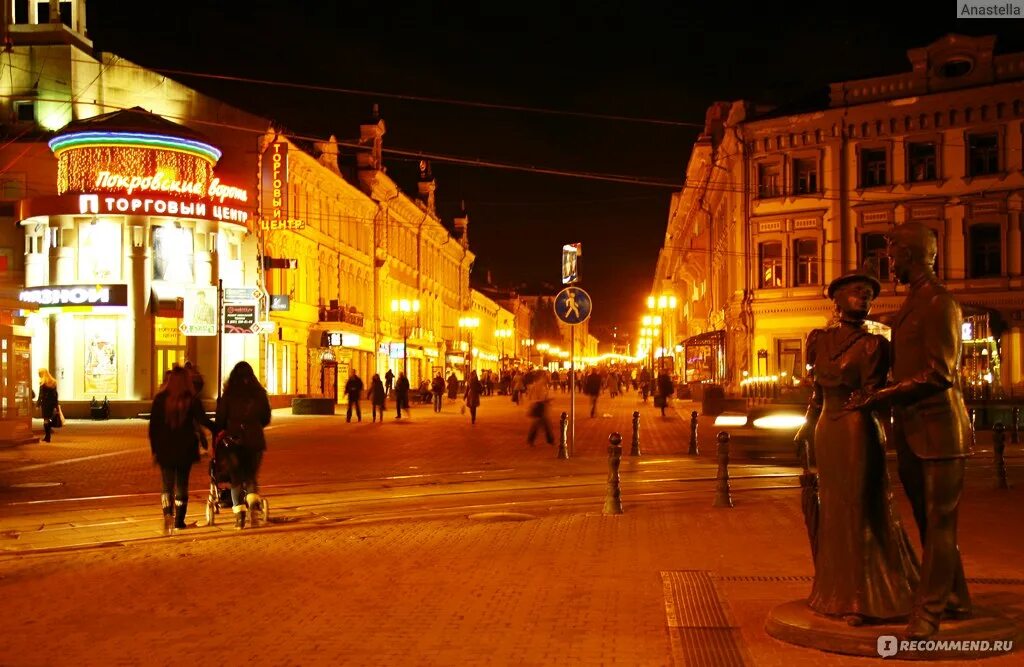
[{"x": 779, "y": 204}]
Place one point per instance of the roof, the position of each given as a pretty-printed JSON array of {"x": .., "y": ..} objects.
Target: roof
[{"x": 136, "y": 120}]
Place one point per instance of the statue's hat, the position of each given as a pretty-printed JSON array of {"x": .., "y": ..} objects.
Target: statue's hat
[{"x": 866, "y": 274}]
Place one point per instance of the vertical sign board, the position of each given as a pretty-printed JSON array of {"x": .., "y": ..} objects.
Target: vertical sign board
[
  {"x": 241, "y": 310},
  {"x": 571, "y": 263},
  {"x": 200, "y": 311},
  {"x": 275, "y": 183}
]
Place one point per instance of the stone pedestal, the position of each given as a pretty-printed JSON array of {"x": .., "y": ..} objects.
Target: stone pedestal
[{"x": 795, "y": 623}]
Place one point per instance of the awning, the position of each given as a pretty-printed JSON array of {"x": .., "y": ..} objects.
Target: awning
[{"x": 167, "y": 301}]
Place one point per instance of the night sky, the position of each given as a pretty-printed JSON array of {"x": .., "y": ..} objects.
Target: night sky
[{"x": 666, "y": 60}]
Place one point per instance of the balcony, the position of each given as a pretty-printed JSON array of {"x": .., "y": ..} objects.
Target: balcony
[{"x": 341, "y": 313}]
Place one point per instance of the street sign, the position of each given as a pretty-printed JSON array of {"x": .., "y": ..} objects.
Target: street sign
[
  {"x": 573, "y": 306},
  {"x": 240, "y": 318},
  {"x": 241, "y": 294},
  {"x": 265, "y": 327},
  {"x": 280, "y": 302},
  {"x": 571, "y": 263}
]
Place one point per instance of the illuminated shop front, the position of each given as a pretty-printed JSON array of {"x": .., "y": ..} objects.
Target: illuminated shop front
[{"x": 138, "y": 220}]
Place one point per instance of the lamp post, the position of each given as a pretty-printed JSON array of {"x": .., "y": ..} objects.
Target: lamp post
[
  {"x": 542, "y": 348},
  {"x": 406, "y": 307},
  {"x": 663, "y": 303},
  {"x": 528, "y": 344},
  {"x": 502, "y": 334},
  {"x": 469, "y": 323},
  {"x": 651, "y": 330}
]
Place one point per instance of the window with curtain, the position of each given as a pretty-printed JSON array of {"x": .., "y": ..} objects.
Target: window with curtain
[
  {"x": 771, "y": 264},
  {"x": 805, "y": 256}
]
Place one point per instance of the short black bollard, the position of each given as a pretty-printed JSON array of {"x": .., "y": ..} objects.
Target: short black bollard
[
  {"x": 634, "y": 449},
  {"x": 693, "y": 434},
  {"x": 613, "y": 500},
  {"x": 563, "y": 437},
  {"x": 998, "y": 448},
  {"x": 722, "y": 496},
  {"x": 1015, "y": 426}
]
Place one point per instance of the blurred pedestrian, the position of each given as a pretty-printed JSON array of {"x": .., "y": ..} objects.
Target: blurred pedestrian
[
  {"x": 473, "y": 391},
  {"x": 402, "y": 394},
  {"x": 437, "y": 389},
  {"x": 537, "y": 396},
  {"x": 48, "y": 402},
  {"x": 353, "y": 390},
  {"x": 377, "y": 395},
  {"x": 243, "y": 411},
  {"x": 518, "y": 386},
  {"x": 389, "y": 382},
  {"x": 453, "y": 386},
  {"x": 664, "y": 391},
  {"x": 197, "y": 389},
  {"x": 592, "y": 388}
]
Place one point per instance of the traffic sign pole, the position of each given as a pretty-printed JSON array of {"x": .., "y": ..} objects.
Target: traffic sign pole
[
  {"x": 572, "y": 390},
  {"x": 220, "y": 336}
]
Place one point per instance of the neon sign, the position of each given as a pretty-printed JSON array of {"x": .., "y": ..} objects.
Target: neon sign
[
  {"x": 95, "y": 204},
  {"x": 135, "y": 140},
  {"x": 106, "y": 180},
  {"x": 76, "y": 297},
  {"x": 275, "y": 188}
]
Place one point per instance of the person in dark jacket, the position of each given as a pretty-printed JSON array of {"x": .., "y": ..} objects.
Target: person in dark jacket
[
  {"x": 389, "y": 381},
  {"x": 473, "y": 391},
  {"x": 174, "y": 419},
  {"x": 47, "y": 401},
  {"x": 592, "y": 388},
  {"x": 353, "y": 390},
  {"x": 665, "y": 391},
  {"x": 453, "y": 386},
  {"x": 402, "y": 394},
  {"x": 437, "y": 389},
  {"x": 243, "y": 411},
  {"x": 377, "y": 395}
]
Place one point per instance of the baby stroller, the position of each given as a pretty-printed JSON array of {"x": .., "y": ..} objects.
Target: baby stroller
[{"x": 220, "y": 487}]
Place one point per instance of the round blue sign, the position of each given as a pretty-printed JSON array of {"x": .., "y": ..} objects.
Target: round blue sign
[{"x": 573, "y": 305}]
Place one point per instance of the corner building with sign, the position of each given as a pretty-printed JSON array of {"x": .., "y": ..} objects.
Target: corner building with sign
[{"x": 113, "y": 213}]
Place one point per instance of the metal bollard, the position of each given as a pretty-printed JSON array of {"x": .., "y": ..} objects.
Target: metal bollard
[
  {"x": 973, "y": 415},
  {"x": 999, "y": 446},
  {"x": 693, "y": 434},
  {"x": 563, "y": 437},
  {"x": 634, "y": 449},
  {"x": 722, "y": 496},
  {"x": 1015, "y": 426},
  {"x": 613, "y": 501}
]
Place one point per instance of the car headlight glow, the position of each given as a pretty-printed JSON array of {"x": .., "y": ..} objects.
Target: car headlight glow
[
  {"x": 731, "y": 420},
  {"x": 780, "y": 422}
]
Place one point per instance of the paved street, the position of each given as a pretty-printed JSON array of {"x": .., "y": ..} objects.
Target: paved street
[{"x": 425, "y": 542}]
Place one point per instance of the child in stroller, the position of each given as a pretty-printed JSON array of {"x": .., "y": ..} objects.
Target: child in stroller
[{"x": 222, "y": 462}]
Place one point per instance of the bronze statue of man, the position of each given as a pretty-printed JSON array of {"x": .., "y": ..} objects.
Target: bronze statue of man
[{"x": 931, "y": 428}]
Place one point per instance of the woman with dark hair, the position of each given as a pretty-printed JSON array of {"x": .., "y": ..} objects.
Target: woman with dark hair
[
  {"x": 174, "y": 417},
  {"x": 377, "y": 394},
  {"x": 474, "y": 389},
  {"x": 243, "y": 411},
  {"x": 48, "y": 401}
]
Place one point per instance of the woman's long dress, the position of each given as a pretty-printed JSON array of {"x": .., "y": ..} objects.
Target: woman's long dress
[{"x": 864, "y": 564}]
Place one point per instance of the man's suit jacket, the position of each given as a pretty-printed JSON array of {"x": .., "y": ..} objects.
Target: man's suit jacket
[{"x": 928, "y": 406}]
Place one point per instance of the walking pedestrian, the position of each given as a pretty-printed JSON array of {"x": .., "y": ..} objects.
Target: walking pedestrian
[
  {"x": 453, "y": 386},
  {"x": 665, "y": 390},
  {"x": 389, "y": 382},
  {"x": 377, "y": 395},
  {"x": 243, "y": 411},
  {"x": 48, "y": 401},
  {"x": 402, "y": 394},
  {"x": 197, "y": 389},
  {"x": 592, "y": 388},
  {"x": 353, "y": 390},
  {"x": 472, "y": 396},
  {"x": 537, "y": 395},
  {"x": 175, "y": 418},
  {"x": 518, "y": 386},
  {"x": 437, "y": 389}
]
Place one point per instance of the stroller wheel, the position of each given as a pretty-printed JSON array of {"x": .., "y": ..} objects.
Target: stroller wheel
[{"x": 211, "y": 513}]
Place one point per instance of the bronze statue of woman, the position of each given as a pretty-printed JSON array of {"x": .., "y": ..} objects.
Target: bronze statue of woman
[{"x": 865, "y": 568}]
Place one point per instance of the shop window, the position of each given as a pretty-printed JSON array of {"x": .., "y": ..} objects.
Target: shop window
[
  {"x": 874, "y": 247},
  {"x": 99, "y": 252},
  {"x": 983, "y": 154},
  {"x": 769, "y": 180},
  {"x": 805, "y": 254},
  {"x": 986, "y": 251},
  {"x": 874, "y": 167},
  {"x": 805, "y": 176},
  {"x": 173, "y": 254},
  {"x": 771, "y": 264},
  {"x": 922, "y": 161}
]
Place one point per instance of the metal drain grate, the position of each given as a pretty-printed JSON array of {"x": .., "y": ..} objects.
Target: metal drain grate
[
  {"x": 700, "y": 627},
  {"x": 785, "y": 578}
]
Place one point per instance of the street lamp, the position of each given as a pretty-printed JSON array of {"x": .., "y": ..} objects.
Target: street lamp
[
  {"x": 663, "y": 302},
  {"x": 528, "y": 344},
  {"x": 502, "y": 334},
  {"x": 542, "y": 348},
  {"x": 405, "y": 307},
  {"x": 469, "y": 323}
]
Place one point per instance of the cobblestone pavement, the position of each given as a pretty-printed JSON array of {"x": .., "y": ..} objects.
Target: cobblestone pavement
[{"x": 376, "y": 561}]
